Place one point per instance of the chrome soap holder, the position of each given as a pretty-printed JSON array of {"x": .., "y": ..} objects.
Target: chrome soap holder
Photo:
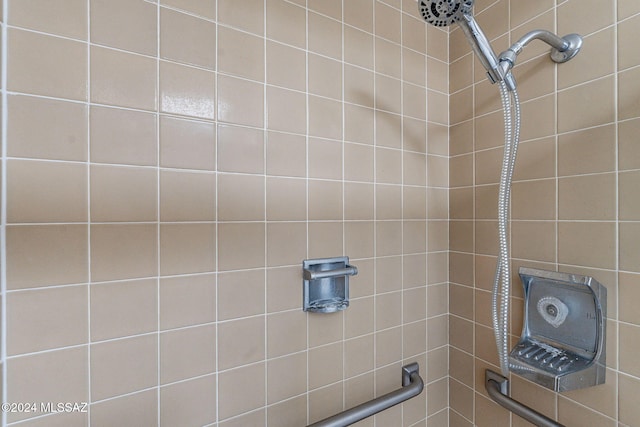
[
  {"x": 562, "y": 346},
  {"x": 326, "y": 284}
]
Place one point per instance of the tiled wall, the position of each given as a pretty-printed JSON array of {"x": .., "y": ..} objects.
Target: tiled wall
[
  {"x": 575, "y": 205},
  {"x": 168, "y": 167}
]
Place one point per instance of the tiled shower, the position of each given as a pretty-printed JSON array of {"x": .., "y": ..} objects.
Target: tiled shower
[{"x": 167, "y": 166}]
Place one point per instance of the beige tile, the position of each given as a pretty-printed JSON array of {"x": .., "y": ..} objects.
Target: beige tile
[
  {"x": 414, "y": 203},
  {"x": 332, "y": 8},
  {"x": 358, "y": 124},
  {"x": 46, "y": 65},
  {"x": 286, "y": 199},
  {"x": 461, "y": 399},
  {"x": 123, "y": 366},
  {"x": 587, "y": 105},
  {"x": 189, "y": 402},
  {"x": 248, "y": 16},
  {"x": 327, "y": 400},
  {"x": 460, "y": 137},
  {"x": 46, "y": 192},
  {"x": 593, "y": 16},
  {"x": 141, "y": 407},
  {"x": 388, "y": 96},
  {"x": 414, "y": 338},
  {"x": 571, "y": 412},
  {"x": 286, "y": 110},
  {"x": 186, "y": 196},
  {"x": 541, "y": 115},
  {"x": 590, "y": 197},
  {"x": 286, "y": 377},
  {"x": 123, "y": 251},
  {"x": 233, "y": 396},
  {"x": 602, "y": 44},
  {"x": 187, "y": 353},
  {"x": 388, "y": 309},
  {"x": 240, "y": 149},
  {"x": 358, "y": 87},
  {"x": 628, "y": 105},
  {"x": 488, "y": 413},
  {"x": 182, "y": 36},
  {"x": 325, "y": 200},
  {"x": 250, "y": 418},
  {"x": 136, "y": 28},
  {"x": 461, "y": 236},
  {"x": 358, "y": 47},
  {"x": 36, "y": 15},
  {"x": 283, "y": 289},
  {"x": 358, "y": 162},
  {"x": 388, "y": 166},
  {"x": 590, "y": 244},
  {"x": 488, "y": 165},
  {"x": 436, "y": 44},
  {"x": 63, "y": 310},
  {"x": 135, "y": 303},
  {"x": 461, "y": 169},
  {"x": 437, "y": 300},
  {"x": 325, "y": 158},
  {"x": 123, "y": 136},
  {"x": 628, "y": 349},
  {"x": 628, "y": 154},
  {"x": 286, "y": 154},
  {"x": 627, "y": 8},
  {"x": 52, "y": 376},
  {"x": 325, "y": 365},
  {"x": 59, "y": 419},
  {"x": 240, "y": 54},
  {"x": 629, "y": 287},
  {"x": 286, "y": 66},
  {"x": 388, "y": 58},
  {"x": 61, "y": 133},
  {"x": 461, "y": 73},
  {"x": 437, "y": 171},
  {"x": 388, "y": 346},
  {"x": 628, "y": 405},
  {"x": 522, "y": 10},
  {"x": 45, "y": 255},
  {"x": 388, "y": 238},
  {"x": 588, "y": 151},
  {"x": 324, "y": 76},
  {"x": 241, "y": 245},
  {"x": 536, "y": 159},
  {"x": 286, "y": 23},
  {"x": 461, "y": 106},
  {"x": 240, "y": 101},
  {"x": 200, "y": 240},
  {"x": 415, "y": 133},
  {"x": 359, "y": 13},
  {"x": 603, "y": 398},
  {"x": 627, "y": 187},
  {"x": 241, "y": 198},
  {"x": 123, "y": 194},
  {"x": 123, "y": 79},
  {"x": 324, "y": 330},
  {"x": 325, "y": 35},
  {"x": 359, "y": 319},
  {"x": 187, "y": 144},
  {"x": 203, "y": 8},
  {"x": 461, "y": 203},
  {"x": 286, "y": 242},
  {"x": 241, "y": 294},
  {"x": 187, "y": 300},
  {"x": 325, "y": 117},
  {"x": 286, "y": 333},
  {"x": 388, "y": 130},
  {"x": 388, "y": 271},
  {"x": 187, "y": 91},
  {"x": 359, "y": 238}
]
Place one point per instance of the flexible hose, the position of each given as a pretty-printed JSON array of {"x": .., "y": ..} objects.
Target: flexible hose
[{"x": 501, "y": 284}]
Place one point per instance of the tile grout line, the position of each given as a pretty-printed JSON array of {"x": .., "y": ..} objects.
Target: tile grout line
[{"x": 3, "y": 214}]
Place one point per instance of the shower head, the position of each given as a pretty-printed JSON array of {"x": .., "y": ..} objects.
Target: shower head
[{"x": 442, "y": 13}]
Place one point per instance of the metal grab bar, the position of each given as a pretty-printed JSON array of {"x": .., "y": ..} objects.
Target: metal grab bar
[
  {"x": 350, "y": 270},
  {"x": 497, "y": 386},
  {"x": 412, "y": 386}
]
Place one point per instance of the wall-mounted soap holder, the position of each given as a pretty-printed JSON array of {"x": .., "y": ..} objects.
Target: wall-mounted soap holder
[
  {"x": 563, "y": 345},
  {"x": 326, "y": 284}
]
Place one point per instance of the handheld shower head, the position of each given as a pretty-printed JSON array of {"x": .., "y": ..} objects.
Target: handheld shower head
[{"x": 442, "y": 13}]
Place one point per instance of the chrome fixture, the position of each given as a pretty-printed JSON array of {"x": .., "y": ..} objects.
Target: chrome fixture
[
  {"x": 441, "y": 13},
  {"x": 562, "y": 346},
  {"x": 412, "y": 386},
  {"x": 326, "y": 284}
]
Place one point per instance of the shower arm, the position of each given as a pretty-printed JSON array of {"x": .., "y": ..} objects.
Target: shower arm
[{"x": 563, "y": 48}]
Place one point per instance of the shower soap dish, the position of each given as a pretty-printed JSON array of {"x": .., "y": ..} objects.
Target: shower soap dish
[
  {"x": 326, "y": 284},
  {"x": 562, "y": 346}
]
